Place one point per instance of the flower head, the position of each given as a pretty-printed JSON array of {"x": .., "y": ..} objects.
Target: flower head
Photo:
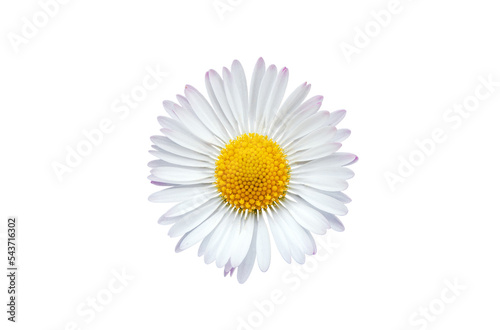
[{"x": 248, "y": 161}]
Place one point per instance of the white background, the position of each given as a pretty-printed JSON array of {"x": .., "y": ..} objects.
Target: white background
[{"x": 399, "y": 247}]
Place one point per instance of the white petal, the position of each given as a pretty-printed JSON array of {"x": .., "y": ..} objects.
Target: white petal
[
  {"x": 194, "y": 218},
  {"x": 320, "y": 180},
  {"x": 264, "y": 92},
  {"x": 243, "y": 243},
  {"x": 342, "y": 134},
  {"x": 240, "y": 82},
  {"x": 183, "y": 175},
  {"x": 205, "y": 112},
  {"x": 333, "y": 163},
  {"x": 312, "y": 140},
  {"x": 340, "y": 196},
  {"x": 173, "y": 124},
  {"x": 315, "y": 249},
  {"x": 297, "y": 254},
  {"x": 258, "y": 74},
  {"x": 158, "y": 182},
  {"x": 341, "y": 173},
  {"x": 197, "y": 234},
  {"x": 299, "y": 232},
  {"x": 191, "y": 121},
  {"x": 336, "y": 160},
  {"x": 307, "y": 217},
  {"x": 341, "y": 158},
  {"x": 166, "y": 220},
  {"x": 263, "y": 245},
  {"x": 354, "y": 161},
  {"x": 183, "y": 102},
  {"x": 217, "y": 86},
  {"x": 157, "y": 162},
  {"x": 279, "y": 237},
  {"x": 291, "y": 120},
  {"x": 228, "y": 268},
  {"x": 191, "y": 204},
  {"x": 334, "y": 221},
  {"x": 307, "y": 126},
  {"x": 169, "y": 108},
  {"x": 291, "y": 103},
  {"x": 204, "y": 243},
  {"x": 296, "y": 249},
  {"x": 321, "y": 201},
  {"x": 228, "y": 241},
  {"x": 233, "y": 98},
  {"x": 310, "y": 104},
  {"x": 190, "y": 141},
  {"x": 246, "y": 266},
  {"x": 326, "y": 149},
  {"x": 172, "y": 147},
  {"x": 336, "y": 117},
  {"x": 179, "y": 160},
  {"x": 307, "y": 109},
  {"x": 275, "y": 98},
  {"x": 216, "y": 240},
  {"x": 180, "y": 193}
]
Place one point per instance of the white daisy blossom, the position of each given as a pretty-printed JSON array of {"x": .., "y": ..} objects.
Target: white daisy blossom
[{"x": 247, "y": 164}]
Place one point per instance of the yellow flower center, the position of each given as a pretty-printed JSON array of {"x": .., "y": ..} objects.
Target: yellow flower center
[{"x": 252, "y": 172}]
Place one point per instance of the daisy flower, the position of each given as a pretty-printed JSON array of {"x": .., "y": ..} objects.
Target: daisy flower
[{"x": 247, "y": 163}]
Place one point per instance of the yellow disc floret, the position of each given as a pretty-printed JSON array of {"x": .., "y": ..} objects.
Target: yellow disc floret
[{"x": 252, "y": 172}]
